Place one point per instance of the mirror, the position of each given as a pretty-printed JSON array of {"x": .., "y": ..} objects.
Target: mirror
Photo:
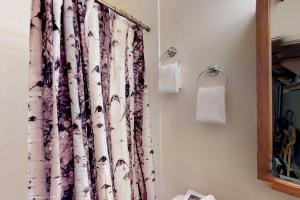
[
  {"x": 285, "y": 33},
  {"x": 278, "y": 94}
]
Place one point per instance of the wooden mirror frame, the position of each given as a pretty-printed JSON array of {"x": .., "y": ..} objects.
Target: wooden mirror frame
[{"x": 264, "y": 101}]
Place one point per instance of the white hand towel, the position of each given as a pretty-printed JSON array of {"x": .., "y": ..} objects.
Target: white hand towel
[
  {"x": 211, "y": 105},
  {"x": 209, "y": 197},
  {"x": 169, "y": 78}
]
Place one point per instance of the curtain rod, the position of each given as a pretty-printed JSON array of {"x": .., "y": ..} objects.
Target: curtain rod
[{"x": 125, "y": 14}]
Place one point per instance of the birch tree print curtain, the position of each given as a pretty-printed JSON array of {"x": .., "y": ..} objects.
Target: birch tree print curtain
[{"x": 88, "y": 112}]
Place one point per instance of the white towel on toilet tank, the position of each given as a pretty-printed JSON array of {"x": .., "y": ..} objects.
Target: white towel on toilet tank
[
  {"x": 169, "y": 78},
  {"x": 211, "y": 105},
  {"x": 181, "y": 197},
  {"x": 178, "y": 197},
  {"x": 209, "y": 197}
]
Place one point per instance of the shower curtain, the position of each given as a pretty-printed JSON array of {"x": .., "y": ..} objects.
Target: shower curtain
[{"x": 88, "y": 112}]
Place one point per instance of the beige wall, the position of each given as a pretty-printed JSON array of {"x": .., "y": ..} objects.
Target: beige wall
[
  {"x": 14, "y": 23},
  {"x": 216, "y": 159},
  {"x": 285, "y": 17},
  {"x": 14, "y": 37},
  {"x": 212, "y": 158}
]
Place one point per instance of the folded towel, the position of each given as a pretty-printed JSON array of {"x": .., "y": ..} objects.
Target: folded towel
[
  {"x": 209, "y": 197},
  {"x": 178, "y": 197},
  {"x": 211, "y": 105},
  {"x": 169, "y": 78}
]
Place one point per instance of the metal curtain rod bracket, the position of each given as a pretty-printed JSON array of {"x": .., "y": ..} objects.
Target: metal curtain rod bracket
[{"x": 125, "y": 14}]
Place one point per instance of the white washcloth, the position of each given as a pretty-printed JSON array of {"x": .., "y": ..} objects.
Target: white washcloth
[
  {"x": 211, "y": 105},
  {"x": 169, "y": 78},
  {"x": 209, "y": 197}
]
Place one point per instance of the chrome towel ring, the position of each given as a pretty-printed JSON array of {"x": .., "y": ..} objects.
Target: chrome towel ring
[
  {"x": 213, "y": 70},
  {"x": 171, "y": 52}
]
